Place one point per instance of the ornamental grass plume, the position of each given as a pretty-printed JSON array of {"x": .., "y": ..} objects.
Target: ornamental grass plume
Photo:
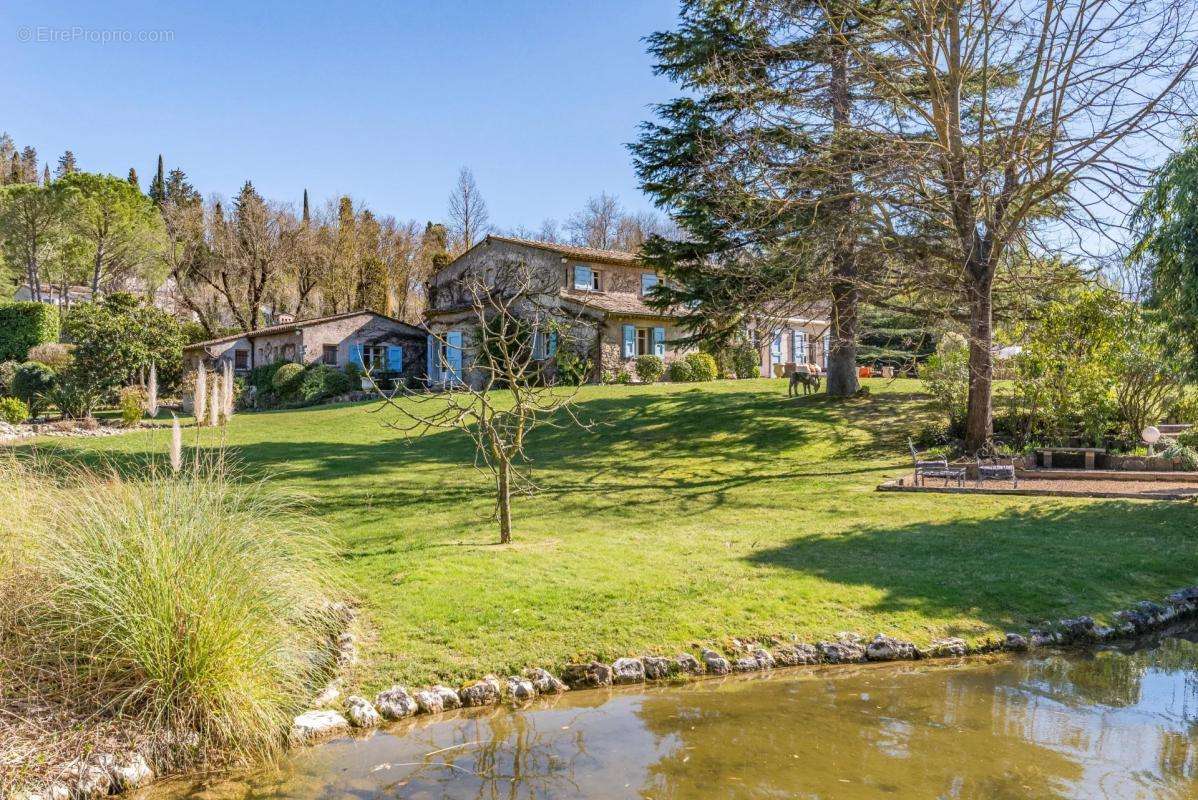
[
  {"x": 228, "y": 387},
  {"x": 188, "y": 608},
  {"x": 200, "y": 395},
  {"x": 152, "y": 391},
  {"x": 176, "y": 451},
  {"x": 216, "y": 401}
]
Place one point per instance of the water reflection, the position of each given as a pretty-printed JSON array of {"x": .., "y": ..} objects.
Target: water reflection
[{"x": 1108, "y": 724}]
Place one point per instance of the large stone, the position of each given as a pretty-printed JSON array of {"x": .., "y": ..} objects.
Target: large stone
[
  {"x": 763, "y": 658},
  {"x": 795, "y": 655},
  {"x": 429, "y": 702},
  {"x": 312, "y": 725},
  {"x": 1014, "y": 641},
  {"x": 627, "y": 670},
  {"x": 1079, "y": 629},
  {"x": 657, "y": 668},
  {"x": 583, "y": 676},
  {"x": 951, "y": 647},
  {"x": 520, "y": 689},
  {"x": 449, "y": 698},
  {"x": 1157, "y": 613},
  {"x": 1038, "y": 638},
  {"x": 746, "y": 664},
  {"x": 887, "y": 648},
  {"x": 328, "y": 696},
  {"x": 395, "y": 703},
  {"x": 688, "y": 664},
  {"x": 87, "y": 781},
  {"x": 1187, "y": 598},
  {"x": 841, "y": 652},
  {"x": 128, "y": 771},
  {"x": 481, "y": 693},
  {"x": 716, "y": 663},
  {"x": 544, "y": 681},
  {"x": 361, "y": 713}
]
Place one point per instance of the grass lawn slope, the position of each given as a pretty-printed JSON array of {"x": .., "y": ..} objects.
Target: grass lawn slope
[{"x": 690, "y": 513}]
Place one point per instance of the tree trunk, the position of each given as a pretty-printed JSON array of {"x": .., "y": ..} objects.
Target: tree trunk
[
  {"x": 504, "y": 500},
  {"x": 96, "y": 267},
  {"x": 842, "y": 354},
  {"x": 979, "y": 418}
]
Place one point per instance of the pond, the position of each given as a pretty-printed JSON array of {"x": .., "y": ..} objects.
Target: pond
[{"x": 1113, "y": 723}]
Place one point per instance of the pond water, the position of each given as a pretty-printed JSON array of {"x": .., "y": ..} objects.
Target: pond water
[{"x": 1114, "y": 723}]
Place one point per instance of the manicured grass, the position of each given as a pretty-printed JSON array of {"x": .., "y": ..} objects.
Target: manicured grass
[{"x": 689, "y": 513}]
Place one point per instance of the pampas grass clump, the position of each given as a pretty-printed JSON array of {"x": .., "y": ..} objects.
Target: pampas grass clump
[{"x": 192, "y": 606}]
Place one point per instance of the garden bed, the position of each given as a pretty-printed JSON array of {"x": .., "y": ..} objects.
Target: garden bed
[{"x": 1143, "y": 486}]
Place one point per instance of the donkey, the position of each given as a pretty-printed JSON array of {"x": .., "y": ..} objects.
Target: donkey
[{"x": 810, "y": 382}]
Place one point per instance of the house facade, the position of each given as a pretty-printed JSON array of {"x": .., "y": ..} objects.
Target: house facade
[
  {"x": 598, "y": 300},
  {"x": 373, "y": 341}
]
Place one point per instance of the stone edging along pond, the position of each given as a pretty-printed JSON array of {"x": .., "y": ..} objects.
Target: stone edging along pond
[{"x": 111, "y": 775}]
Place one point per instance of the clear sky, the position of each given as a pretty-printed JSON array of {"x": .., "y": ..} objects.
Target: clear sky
[{"x": 385, "y": 101}]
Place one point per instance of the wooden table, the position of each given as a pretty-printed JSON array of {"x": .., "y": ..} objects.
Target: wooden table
[{"x": 1089, "y": 452}]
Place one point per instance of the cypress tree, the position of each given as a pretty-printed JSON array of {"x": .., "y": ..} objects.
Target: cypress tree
[
  {"x": 158, "y": 187},
  {"x": 46, "y": 175},
  {"x": 133, "y": 181},
  {"x": 307, "y": 217},
  {"x": 16, "y": 174}
]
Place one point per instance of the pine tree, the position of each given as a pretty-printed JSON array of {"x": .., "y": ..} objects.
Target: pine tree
[
  {"x": 28, "y": 165},
  {"x": 179, "y": 191},
  {"x": 16, "y": 172},
  {"x": 66, "y": 164},
  {"x": 133, "y": 181},
  {"x": 158, "y": 187}
]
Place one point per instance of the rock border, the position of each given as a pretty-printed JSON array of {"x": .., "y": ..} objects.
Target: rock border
[{"x": 112, "y": 774}]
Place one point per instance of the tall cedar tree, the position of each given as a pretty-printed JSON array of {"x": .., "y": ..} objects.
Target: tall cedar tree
[
  {"x": 133, "y": 181},
  {"x": 66, "y": 165},
  {"x": 758, "y": 163}
]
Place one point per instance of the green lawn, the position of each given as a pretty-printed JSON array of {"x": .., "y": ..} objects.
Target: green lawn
[{"x": 689, "y": 513}]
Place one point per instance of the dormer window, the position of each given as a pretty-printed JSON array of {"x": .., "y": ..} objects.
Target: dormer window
[
  {"x": 649, "y": 281},
  {"x": 586, "y": 279}
]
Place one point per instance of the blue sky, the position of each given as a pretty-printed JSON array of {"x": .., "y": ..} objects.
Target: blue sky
[{"x": 385, "y": 101}]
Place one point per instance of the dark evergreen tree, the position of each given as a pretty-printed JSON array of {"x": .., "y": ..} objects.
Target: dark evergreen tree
[
  {"x": 28, "y": 164},
  {"x": 179, "y": 190},
  {"x": 158, "y": 186},
  {"x": 66, "y": 164},
  {"x": 759, "y": 165},
  {"x": 307, "y": 216},
  {"x": 16, "y": 172},
  {"x": 46, "y": 175},
  {"x": 133, "y": 180}
]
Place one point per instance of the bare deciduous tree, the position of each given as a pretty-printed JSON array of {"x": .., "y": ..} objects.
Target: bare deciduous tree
[
  {"x": 511, "y": 324},
  {"x": 1018, "y": 124},
  {"x": 468, "y": 216}
]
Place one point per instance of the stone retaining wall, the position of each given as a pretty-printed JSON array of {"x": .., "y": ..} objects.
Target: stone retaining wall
[{"x": 331, "y": 716}]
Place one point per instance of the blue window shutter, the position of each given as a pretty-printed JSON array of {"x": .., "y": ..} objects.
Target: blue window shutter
[
  {"x": 827, "y": 347},
  {"x": 776, "y": 347},
  {"x": 453, "y": 354},
  {"x": 394, "y": 358},
  {"x": 629, "y": 341},
  {"x": 552, "y": 351},
  {"x": 430, "y": 359},
  {"x": 355, "y": 354},
  {"x": 659, "y": 342}
]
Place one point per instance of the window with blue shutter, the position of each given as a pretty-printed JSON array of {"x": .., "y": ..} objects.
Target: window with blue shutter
[
  {"x": 538, "y": 345},
  {"x": 659, "y": 342},
  {"x": 827, "y": 347},
  {"x": 776, "y": 348},
  {"x": 355, "y": 354},
  {"x": 552, "y": 347},
  {"x": 431, "y": 362},
  {"x": 629, "y": 341},
  {"x": 453, "y": 355},
  {"x": 394, "y": 358},
  {"x": 799, "y": 347}
]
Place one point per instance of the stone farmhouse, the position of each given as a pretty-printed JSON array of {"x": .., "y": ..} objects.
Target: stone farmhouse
[
  {"x": 603, "y": 295},
  {"x": 382, "y": 344}
]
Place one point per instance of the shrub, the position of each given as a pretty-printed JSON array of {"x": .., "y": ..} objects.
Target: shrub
[
  {"x": 1184, "y": 410},
  {"x": 572, "y": 369},
  {"x": 1185, "y": 456},
  {"x": 262, "y": 377},
  {"x": 623, "y": 377},
  {"x": 649, "y": 368},
  {"x": 680, "y": 371},
  {"x": 7, "y": 369},
  {"x": 702, "y": 367},
  {"x": 13, "y": 411},
  {"x": 187, "y": 606},
  {"x": 1188, "y": 438},
  {"x": 118, "y": 338},
  {"x": 745, "y": 361},
  {"x": 321, "y": 382},
  {"x": 287, "y": 379},
  {"x": 31, "y": 382},
  {"x": 132, "y": 405},
  {"x": 946, "y": 377},
  {"x": 25, "y": 325}
]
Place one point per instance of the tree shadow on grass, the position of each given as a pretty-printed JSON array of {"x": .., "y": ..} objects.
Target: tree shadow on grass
[{"x": 1018, "y": 569}]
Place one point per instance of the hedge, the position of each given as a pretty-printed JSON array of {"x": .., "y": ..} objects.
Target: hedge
[{"x": 24, "y": 325}]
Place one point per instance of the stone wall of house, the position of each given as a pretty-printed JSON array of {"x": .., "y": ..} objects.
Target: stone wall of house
[{"x": 611, "y": 345}]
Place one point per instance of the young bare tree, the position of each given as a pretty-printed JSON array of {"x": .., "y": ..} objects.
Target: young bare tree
[
  {"x": 1019, "y": 125},
  {"x": 510, "y": 392},
  {"x": 469, "y": 219}
]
